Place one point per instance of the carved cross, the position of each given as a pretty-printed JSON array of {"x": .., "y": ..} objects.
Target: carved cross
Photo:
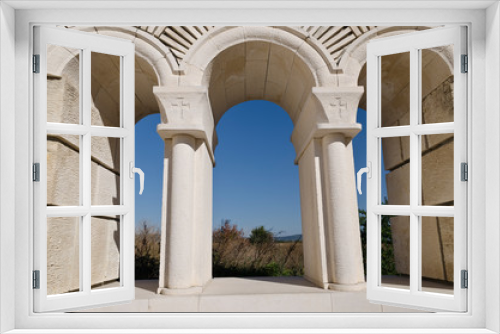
[
  {"x": 180, "y": 106},
  {"x": 339, "y": 107}
]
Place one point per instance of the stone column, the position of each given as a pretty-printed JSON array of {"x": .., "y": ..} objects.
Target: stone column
[
  {"x": 165, "y": 212},
  {"x": 354, "y": 199},
  {"x": 322, "y": 139},
  {"x": 187, "y": 128},
  {"x": 180, "y": 255},
  {"x": 343, "y": 242}
]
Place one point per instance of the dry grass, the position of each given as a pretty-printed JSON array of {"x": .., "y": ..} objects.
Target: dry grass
[
  {"x": 147, "y": 251},
  {"x": 232, "y": 254}
]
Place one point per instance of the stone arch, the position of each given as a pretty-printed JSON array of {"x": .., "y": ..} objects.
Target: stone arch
[
  {"x": 154, "y": 64},
  {"x": 215, "y": 78},
  {"x": 199, "y": 57},
  {"x": 320, "y": 88},
  {"x": 258, "y": 71},
  {"x": 198, "y": 66},
  {"x": 329, "y": 41},
  {"x": 155, "y": 53}
]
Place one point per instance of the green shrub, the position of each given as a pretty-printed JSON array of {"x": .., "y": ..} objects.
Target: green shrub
[
  {"x": 260, "y": 235},
  {"x": 147, "y": 251},
  {"x": 259, "y": 255},
  {"x": 388, "y": 262}
]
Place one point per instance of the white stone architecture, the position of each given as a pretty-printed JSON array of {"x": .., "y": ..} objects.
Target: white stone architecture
[{"x": 193, "y": 74}]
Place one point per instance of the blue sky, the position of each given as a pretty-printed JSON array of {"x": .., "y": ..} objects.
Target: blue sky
[{"x": 255, "y": 180}]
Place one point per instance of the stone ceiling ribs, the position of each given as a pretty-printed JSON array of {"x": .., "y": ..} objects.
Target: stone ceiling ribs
[
  {"x": 178, "y": 38},
  {"x": 335, "y": 39}
]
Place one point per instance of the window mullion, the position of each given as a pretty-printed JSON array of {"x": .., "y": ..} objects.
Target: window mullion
[
  {"x": 414, "y": 171},
  {"x": 86, "y": 170}
]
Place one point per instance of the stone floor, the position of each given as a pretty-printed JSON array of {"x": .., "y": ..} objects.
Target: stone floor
[{"x": 255, "y": 294}]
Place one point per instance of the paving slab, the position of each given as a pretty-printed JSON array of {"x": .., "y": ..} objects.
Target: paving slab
[{"x": 253, "y": 294}]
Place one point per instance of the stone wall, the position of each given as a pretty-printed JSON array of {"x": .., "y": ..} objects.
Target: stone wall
[
  {"x": 437, "y": 187},
  {"x": 64, "y": 234}
]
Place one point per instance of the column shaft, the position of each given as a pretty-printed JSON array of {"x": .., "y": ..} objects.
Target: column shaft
[
  {"x": 354, "y": 199},
  {"x": 179, "y": 266},
  {"x": 342, "y": 223},
  {"x": 165, "y": 211}
]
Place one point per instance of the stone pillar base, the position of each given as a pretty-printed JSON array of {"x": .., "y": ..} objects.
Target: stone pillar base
[
  {"x": 361, "y": 286},
  {"x": 186, "y": 291}
]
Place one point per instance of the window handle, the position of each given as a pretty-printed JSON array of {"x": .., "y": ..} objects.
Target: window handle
[
  {"x": 368, "y": 171},
  {"x": 141, "y": 175}
]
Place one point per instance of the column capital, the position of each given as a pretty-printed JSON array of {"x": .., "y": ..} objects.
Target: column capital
[
  {"x": 339, "y": 104},
  {"x": 186, "y": 110},
  {"x": 328, "y": 110}
]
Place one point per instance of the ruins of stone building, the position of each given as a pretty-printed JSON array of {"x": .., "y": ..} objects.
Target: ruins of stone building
[{"x": 192, "y": 75}]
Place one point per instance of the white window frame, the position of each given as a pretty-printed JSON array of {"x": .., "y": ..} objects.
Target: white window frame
[
  {"x": 87, "y": 43},
  {"x": 413, "y": 44},
  {"x": 484, "y": 146}
]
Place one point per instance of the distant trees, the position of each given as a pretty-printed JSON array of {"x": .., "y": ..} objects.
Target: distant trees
[
  {"x": 260, "y": 235},
  {"x": 147, "y": 251},
  {"x": 232, "y": 253},
  {"x": 258, "y": 255},
  {"x": 227, "y": 239}
]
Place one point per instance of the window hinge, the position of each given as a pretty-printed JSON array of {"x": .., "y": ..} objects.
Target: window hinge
[
  {"x": 36, "y": 63},
  {"x": 464, "y": 171},
  {"x": 465, "y": 279},
  {"x": 36, "y": 172},
  {"x": 465, "y": 64},
  {"x": 36, "y": 279}
]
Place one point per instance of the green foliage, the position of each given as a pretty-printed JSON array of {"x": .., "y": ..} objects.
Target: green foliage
[
  {"x": 223, "y": 238},
  {"x": 147, "y": 252},
  {"x": 147, "y": 267},
  {"x": 270, "y": 269},
  {"x": 388, "y": 263},
  {"x": 362, "y": 232},
  {"x": 232, "y": 253},
  {"x": 259, "y": 255},
  {"x": 227, "y": 232},
  {"x": 260, "y": 235}
]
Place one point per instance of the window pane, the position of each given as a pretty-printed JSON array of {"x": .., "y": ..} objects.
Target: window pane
[
  {"x": 63, "y": 84},
  {"x": 437, "y": 85},
  {"x": 105, "y": 90},
  {"x": 437, "y": 169},
  {"x": 63, "y": 255},
  {"x": 395, "y": 171},
  {"x": 105, "y": 234},
  {"x": 437, "y": 254},
  {"x": 105, "y": 171},
  {"x": 63, "y": 170},
  {"x": 395, "y": 89},
  {"x": 395, "y": 251}
]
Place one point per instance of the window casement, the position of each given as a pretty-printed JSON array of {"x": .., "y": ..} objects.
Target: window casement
[
  {"x": 70, "y": 207},
  {"x": 418, "y": 132}
]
